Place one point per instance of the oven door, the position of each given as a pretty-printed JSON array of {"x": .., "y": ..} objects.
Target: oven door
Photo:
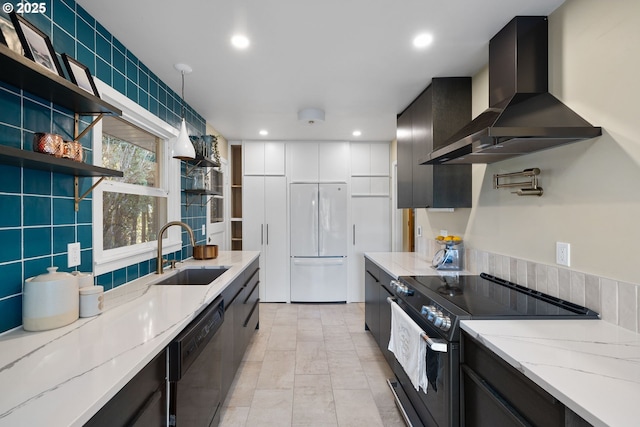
[{"x": 439, "y": 406}]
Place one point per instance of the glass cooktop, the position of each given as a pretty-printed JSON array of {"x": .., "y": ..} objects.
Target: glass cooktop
[{"x": 486, "y": 296}]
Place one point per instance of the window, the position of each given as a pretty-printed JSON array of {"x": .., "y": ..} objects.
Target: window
[{"x": 129, "y": 211}]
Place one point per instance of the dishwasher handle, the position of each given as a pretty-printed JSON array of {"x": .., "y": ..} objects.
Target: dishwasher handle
[{"x": 188, "y": 345}]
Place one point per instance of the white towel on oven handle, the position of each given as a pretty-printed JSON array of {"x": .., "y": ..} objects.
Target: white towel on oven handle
[{"x": 408, "y": 346}]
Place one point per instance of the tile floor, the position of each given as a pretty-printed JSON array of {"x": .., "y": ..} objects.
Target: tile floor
[{"x": 311, "y": 365}]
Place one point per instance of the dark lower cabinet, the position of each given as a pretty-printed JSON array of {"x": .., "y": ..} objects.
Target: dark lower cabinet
[
  {"x": 377, "y": 311},
  {"x": 141, "y": 403},
  {"x": 496, "y": 394},
  {"x": 241, "y": 315}
]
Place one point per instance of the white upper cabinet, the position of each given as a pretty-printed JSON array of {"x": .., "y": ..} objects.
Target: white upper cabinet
[
  {"x": 370, "y": 168},
  {"x": 318, "y": 161},
  {"x": 264, "y": 158}
]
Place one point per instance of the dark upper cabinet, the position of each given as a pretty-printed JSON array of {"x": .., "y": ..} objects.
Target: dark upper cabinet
[{"x": 440, "y": 110}]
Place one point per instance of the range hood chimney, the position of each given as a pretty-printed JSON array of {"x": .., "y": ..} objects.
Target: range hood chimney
[{"x": 523, "y": 116}]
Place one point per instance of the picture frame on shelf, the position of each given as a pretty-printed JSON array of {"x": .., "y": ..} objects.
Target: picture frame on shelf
[
  {"x": 80, "y": 75},
  {"x": 36, "y": 44},
  {"x": 9, "y": 37}
]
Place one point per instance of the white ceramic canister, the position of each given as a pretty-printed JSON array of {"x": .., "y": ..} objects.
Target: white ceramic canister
[
  {"x": 91, "y": 301},
  {"x": 50, "y": 301},
  {"x": 84, "y": 279}
]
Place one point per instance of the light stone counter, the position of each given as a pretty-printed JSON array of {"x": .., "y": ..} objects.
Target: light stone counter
[
  {"x": 62, "y": 377},
  {"x": 591, "y": 366},
  {"x": 406, "y": 264}
]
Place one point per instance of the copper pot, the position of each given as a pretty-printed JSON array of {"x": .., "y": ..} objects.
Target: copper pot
[
  {"x": 205, "y": 251},
  {"x": 48, "y": 143}
]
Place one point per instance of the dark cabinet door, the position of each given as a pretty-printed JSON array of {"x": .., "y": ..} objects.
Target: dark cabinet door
[
  {"x": 405, "y": 156},
  {"x": 371, "y": 298},
  {"x": 385, "y": 316},
  {"x": 422, "y": 126}
]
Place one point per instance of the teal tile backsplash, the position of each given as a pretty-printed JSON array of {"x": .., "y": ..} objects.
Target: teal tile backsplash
[{"x": 37, "y": 219}]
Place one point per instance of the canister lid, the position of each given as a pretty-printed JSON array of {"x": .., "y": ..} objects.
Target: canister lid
[
  {"x": 52, "y": 275},
  {"x": 90, "y": 290}
]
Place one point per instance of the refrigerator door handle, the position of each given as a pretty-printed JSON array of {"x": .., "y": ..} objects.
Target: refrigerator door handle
[
  {"x": 267, "y": 234},
  {"x": 354, "y": 234},
  {"x": 261, "y": 234}
]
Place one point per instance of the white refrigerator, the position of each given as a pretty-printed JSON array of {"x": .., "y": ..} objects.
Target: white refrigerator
[{"x": 318, "y": 233}]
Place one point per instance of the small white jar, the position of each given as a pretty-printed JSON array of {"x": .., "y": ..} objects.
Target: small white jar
[
  {"x": 91, "y": 300},
  {"x": 84, "y": 279}
]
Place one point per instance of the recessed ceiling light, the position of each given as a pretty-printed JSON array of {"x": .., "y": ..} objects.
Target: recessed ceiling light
[
  {"x": 240, "y": 41},
  {"x": 422, "y": 40},
  {"x": 357, "y": 133},
  {"x": 264, "y": 132}
]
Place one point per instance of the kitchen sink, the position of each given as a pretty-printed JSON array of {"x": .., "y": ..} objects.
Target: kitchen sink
[{"x": 194, "y": 276}]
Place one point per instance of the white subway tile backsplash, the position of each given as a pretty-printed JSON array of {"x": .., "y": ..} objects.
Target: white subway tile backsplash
[
  {"x": 592, "y": 293},
  {"x": 627, "y": 306},
  {"x": 541, "y": 278},
  {"x": 577, "y": 288},
  {"x": 552, "y": 281},
  {"x": 609, "y": 300},
  {"x": 564, "y": 284}
]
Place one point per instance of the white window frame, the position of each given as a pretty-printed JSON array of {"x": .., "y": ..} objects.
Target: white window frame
[{"x": 114, "y": 259}]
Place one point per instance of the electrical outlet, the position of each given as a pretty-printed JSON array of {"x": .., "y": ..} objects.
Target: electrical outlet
[
  {"x": 204, "y": 229},
  {"x": 563, "y": 254},
  {"x": 444, "y": 233},
  {"x": 73, "y": 254}
]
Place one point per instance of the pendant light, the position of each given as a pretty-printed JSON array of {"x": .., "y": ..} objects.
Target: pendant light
[{"x": 183, "y": 148}]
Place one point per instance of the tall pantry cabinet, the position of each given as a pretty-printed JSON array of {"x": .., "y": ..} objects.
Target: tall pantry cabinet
[{"x": 264, "y": 201}]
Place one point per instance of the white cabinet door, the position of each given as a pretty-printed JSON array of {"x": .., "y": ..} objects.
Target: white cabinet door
[
  {"x": 274, "y": 158},
  {"x": 371, "y": 232},
  {"x": 264, "y": 228},
  {"x": 303, "y": 161},
  {"x": 263, "y": 158},
  {"x": 360, "y": 159},
  {"x": 275, "y": 241},
  {"x": 333, "y": 158},
  {"x": 379, "y": 158}
]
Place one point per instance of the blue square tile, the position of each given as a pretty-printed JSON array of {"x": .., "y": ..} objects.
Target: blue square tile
[
  {"x": 10, "y": 249},
  {"x": 10, "y": 136},
  {"x": 143, "y": 99},
  {"x": 11, "y": 211},
  {"x": 103, "y": 31},
  {"x": 85, "y": 236},
  {"x": 105, "y": 280},
  {"x": 11, "y": 181},
  {"x": 85, "y": 33},
  {"x": 153, "y": 86},
  {"x": 10, "y": 107},
  {"x": 103, "y": 71},
  {"x": 62, "y": 236},
  {"x": 64, "y": 16},
  {"x": 62, "y": 125},
  {"x": 84, "y": 213},
  {"x": 11, "y": 309},
  {"x": 63, "y": 211},
  {"x": 132, "y": 91},
  {"x": 37, "y": 210},
  {"x": 132, "y": 272},
  {"x": 37, "y": 182},
  {"x": 11, "y": 283},
  {"x": 37, "y": 118},
  {"x": 143, "y": 81},
  {"x": 103, "y": 48},
  {"x": 118, "y": 45},
  {"x": 119, "y": 61},
  {"x": 63, "y": 42},
  {"x": 119, "y": 277},
  {"x": 153, "y": 106},
  {"x": 119, "y": 82},
  {"x": 37, "y": 242},
  {"x": 63, "y": 185},
  {"x": 61, "y": 262},
  {"x": 86, "y": 57},
  {"x": 144, "y": 268},
  {"x": 132, "y": 71}
]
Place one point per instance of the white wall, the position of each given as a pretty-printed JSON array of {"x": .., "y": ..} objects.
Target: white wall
[{"x": 591, "y": 188}]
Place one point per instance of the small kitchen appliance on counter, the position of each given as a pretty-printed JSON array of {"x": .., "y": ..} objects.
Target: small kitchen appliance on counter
[{"x": 451, "y": 256}]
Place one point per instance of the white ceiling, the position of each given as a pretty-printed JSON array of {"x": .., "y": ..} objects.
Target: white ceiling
[{"x": 352, "y": 58}]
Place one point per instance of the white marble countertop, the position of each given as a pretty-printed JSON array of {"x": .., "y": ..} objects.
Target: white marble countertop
[
  {"x": 591, "y": 366},
  {"x": 62, "y": 377}
]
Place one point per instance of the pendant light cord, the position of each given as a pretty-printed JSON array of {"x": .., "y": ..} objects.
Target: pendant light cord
[{"x": 182, "y": 73}]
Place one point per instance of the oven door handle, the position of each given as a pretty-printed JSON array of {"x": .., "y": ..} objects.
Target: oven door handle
[{"x": 435, "y": 344}]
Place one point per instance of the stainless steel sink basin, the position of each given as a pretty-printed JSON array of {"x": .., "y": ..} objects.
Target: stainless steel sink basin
[{"x": 194, "y": 276}]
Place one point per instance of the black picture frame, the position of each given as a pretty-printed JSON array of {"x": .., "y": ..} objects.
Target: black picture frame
[
  {"x": 80, "y": 75},
  {"x": 9, "y": 37},
  {"x": 36, "y": 44}
]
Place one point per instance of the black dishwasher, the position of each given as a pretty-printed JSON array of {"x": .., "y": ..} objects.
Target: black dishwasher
[{"x": 195, "y": 365}]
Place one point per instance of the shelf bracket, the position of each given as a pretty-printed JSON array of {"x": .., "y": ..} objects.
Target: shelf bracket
[
  {"x": 87, "y": 129},
  {"x": 78, "y": 199},
  {"x": 201, "y": 203}
]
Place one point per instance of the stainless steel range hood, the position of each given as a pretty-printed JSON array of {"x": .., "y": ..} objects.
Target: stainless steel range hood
[{"x": 524, "y": 117}]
